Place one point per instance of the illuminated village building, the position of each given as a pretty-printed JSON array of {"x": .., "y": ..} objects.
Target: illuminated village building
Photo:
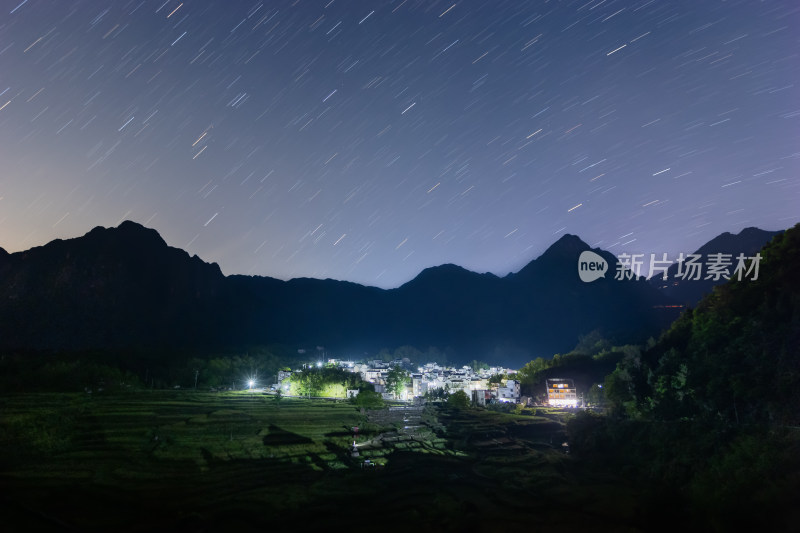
[{"x": 561, "y": 393}]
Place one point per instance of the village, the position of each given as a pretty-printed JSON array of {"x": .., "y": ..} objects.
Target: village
[{"x": 486, "y": 385}]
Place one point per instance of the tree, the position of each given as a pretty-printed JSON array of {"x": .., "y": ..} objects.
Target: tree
[
  {"x": 528, "y": 374},
  {"x": 324, "y": 381},
  {"x": 458, "y": 400},
  {"x": 396, "y": 380},
  {"x": 408, "y": 352},
  {"x": 436, "y": 394},
  {"x": 368, "y": 399},
  {"x": 592, "y": 343},
  {"x": 596, "y": 396},
  {"x": 478, "y": 365},
  {"x": 496, "y": 380}
]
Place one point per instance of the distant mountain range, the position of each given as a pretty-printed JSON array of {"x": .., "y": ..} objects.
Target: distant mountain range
[
  {"x": 124, "y": 288},
  {"x": 689, "y": 292}
]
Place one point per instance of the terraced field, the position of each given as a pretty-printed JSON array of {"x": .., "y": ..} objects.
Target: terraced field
[
  {"x": 147, "y": 430},
  {"x": 209, "y": 461}
]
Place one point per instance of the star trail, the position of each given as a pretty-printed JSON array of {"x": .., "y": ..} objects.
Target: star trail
[{"x": 366, "y": 141}]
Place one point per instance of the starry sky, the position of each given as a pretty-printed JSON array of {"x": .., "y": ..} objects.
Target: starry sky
[{"x": 368, "y": 140}]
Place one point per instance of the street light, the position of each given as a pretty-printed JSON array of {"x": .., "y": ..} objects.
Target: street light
[{"x": 251, "y": 383}]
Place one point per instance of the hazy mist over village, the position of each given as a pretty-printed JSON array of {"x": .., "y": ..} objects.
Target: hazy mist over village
[{"x": 277, "y": 265}]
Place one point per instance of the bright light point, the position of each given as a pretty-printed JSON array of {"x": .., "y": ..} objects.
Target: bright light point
[
  {"x": 251, "y": 383},
  {"x": 564, "y": 403}
]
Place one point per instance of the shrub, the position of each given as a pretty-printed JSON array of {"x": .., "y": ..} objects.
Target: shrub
[
  {"x": 368, "y": 399},
  {"x": 458, "y": 400}
]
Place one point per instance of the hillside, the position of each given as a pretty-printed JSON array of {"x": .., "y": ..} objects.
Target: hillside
[
  {"x": 705, "y": 420},
  {"x": 737, "y": 356}
]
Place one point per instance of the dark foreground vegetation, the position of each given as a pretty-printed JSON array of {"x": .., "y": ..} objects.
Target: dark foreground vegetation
[
  {"x": 708, "y": 417},
  {"x": 191, "y": 461},
  {"x": 204, "y": 461}
]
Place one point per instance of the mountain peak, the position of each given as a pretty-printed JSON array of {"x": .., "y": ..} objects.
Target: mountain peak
[
  {"x": 567, "y": 243},
  {"x": 752, "y": 230},
  {"x": 564, "y": 251},
  {"x": 129, "y": 235},
  {"x": 558, "y": 260},
  {"x": 130, "y": 225},
  {"x": 447, "y": 271},
  {"x": 130, "y": 231},
  {"x": 749, "y": 241},
  {"x": 445, "y": 268}
]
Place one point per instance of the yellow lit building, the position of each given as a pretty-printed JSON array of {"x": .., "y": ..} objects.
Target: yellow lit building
[{"x": 561, "y": 393}]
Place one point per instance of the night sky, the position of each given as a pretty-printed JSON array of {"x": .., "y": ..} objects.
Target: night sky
[{"x": 366, "y": 141}]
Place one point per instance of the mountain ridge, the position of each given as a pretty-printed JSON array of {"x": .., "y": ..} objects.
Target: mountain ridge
[
  {"x": 126, "y": 288},
  {"x": 689, "y": 293}
]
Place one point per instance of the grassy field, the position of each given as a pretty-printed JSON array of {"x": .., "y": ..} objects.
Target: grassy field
[
  {"x": 137, "y": 434},
  {"x": 206, "y": 461}
]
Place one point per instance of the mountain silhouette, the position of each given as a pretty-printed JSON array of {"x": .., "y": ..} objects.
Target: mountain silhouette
[
  {"x": 124, "y": 288},
  {"x": 620, "y": 309},
  {"x": 111, "y": 288},
  {"x": 689, "y": 292}
]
